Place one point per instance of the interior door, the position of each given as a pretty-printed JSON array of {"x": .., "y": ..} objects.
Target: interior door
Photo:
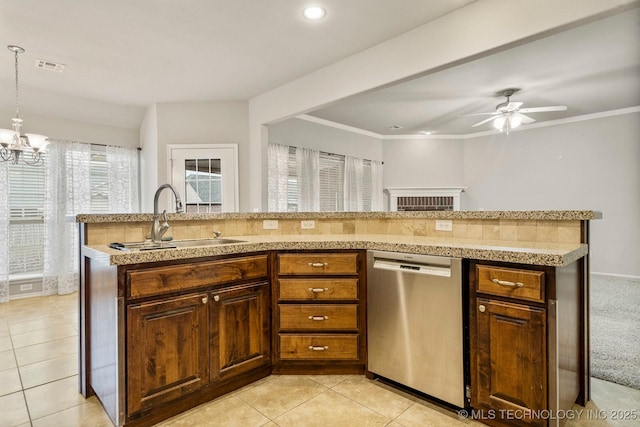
[{"x": 206, "y": 176}]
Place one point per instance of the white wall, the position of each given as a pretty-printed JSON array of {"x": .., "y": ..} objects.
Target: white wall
[
  {"x": 73, "y": 130},
  {"x": 302, "y": 133},
  {"x": 423, "y": 163},
  {"x": 148, "y": 158},
  {"x": 591, "y": 164},
  {"x": 204, "y": 123}
]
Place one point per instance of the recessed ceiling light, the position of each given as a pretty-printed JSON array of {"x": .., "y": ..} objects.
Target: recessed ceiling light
[
  {"x": 314, "y": 12},
  {"x": 395, "y": 127},
  {"x": 426, "y": 132}
]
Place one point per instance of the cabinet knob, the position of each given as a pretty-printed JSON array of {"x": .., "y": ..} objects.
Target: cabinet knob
[
  {"x": 205, "y": 299},
  {"x": 216, "y": 298},
  {"x": 482, "y": 308}
]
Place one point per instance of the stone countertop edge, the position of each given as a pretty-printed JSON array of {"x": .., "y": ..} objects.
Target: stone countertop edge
[
  {"x": 546, "y": 254},
  {"x": 566, "y": 215}
]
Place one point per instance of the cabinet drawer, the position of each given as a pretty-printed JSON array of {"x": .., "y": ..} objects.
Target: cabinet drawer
[
  {"x": 317, "y": 289},
  {"x": 318, "y": 317},
  {"x": 510, "y": 282},
  {"x": 152, "y": 281},
  {"x": 318, "y": 264},
  {"x": 325, "y": 347}
]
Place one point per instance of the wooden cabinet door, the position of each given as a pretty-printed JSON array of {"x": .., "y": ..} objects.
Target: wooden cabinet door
[
  {"x": 510, "y": 365},
  {"x": 240, "y": 330},
  {"x": 167, "y": 350}
]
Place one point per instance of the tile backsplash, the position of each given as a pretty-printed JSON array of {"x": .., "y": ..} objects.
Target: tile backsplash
[{"x": 508, "y": 230}]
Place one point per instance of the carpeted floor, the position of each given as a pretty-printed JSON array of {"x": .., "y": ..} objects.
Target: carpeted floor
[{"x": 615, "y": 329}]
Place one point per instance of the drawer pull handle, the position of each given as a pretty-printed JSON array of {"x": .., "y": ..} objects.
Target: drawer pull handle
[
  {"x": 318, "y": 264},
  {"x": 507, "y": 283},
  {"x": 318, "y": 347},
  {"x": 315, "y": 318},
  {"x": 318, "y": 290}
]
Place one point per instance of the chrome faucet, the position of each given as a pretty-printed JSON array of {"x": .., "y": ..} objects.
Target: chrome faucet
[{"x": 158, "y": 230}]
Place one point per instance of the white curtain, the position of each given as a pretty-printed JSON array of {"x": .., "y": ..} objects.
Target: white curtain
[
  {"x": 353, "y": 194},
  {"x": 4, "y": 232},
  {"x": 122, "y": 169},
  {"x": 377, "y": 196},
  {"x": 278, "y": 175},
  {"x": 68, "y": 192},
  {"x": 308, "y": 173}
]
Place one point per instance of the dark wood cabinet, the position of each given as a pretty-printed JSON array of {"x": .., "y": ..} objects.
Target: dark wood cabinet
[
  {"x": 167, "y": 350},
  {"x": 319, "y": 314},
  {"x": 511, "y": 358},
  {"x": 240, "y": 330},
  {"x": 524, "y": 334},
  {"x": 194, "y": 331}
]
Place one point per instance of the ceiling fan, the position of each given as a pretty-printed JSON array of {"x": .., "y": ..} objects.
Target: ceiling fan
[{"x": 508, "y": 115}]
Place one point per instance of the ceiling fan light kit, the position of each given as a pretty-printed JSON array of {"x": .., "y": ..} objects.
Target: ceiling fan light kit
[{"x": 508, "y": 114}]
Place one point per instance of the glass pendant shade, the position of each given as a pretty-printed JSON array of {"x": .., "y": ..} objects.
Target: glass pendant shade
[
  {"x": 7, "y": 137},
  {"x": 37, "y": 142},
  {"x": 515, "y": 121},
  {"x": 499, "y": 123}
]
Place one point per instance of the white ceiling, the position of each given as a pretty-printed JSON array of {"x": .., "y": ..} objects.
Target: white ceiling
[
  {"x": 593, "y": 68},
  {"x": 124, "y": 55}
]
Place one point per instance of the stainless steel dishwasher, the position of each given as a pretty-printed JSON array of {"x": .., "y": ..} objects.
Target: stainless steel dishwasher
[{"x": 415, "y": 326}]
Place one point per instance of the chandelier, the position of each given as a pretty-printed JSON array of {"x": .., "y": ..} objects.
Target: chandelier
[{"x": 13, "y": 143}]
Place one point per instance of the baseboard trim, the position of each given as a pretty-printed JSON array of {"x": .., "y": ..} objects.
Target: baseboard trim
[{"x": 625, "y": 276}]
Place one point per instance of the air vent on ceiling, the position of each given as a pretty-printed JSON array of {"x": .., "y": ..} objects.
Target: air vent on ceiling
[{"x": 48, "y": 65}]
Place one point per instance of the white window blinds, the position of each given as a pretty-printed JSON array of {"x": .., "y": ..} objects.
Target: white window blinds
[
  {"x": 26, "y": 218},
  {"x": 326, "y": 184}
]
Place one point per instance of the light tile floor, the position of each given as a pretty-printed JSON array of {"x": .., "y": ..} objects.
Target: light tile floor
[{"x": 39, "y": 387}]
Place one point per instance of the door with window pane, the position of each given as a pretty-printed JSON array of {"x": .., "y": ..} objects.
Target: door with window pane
[{"x": 206, "y": 177}]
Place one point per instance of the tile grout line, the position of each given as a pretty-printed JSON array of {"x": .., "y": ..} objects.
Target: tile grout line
[{"x": 15, "y": 358}]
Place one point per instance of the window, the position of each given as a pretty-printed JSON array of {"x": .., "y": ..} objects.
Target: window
[
  {"x": 26, "y": 220},
  {"x": 332, "y": 177},
  {"x": 203, "y": 179},
  {"x": 26, "y": 211}
]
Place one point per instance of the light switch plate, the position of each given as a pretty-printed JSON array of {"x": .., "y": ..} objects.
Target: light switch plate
[
  {"x": 270, "y": 224},
  {"x": 307, "y": 225},
  {"x": 444, "y": 225}
]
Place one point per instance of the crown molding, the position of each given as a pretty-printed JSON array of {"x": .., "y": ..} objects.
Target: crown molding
[{"x": 548, "y": 123}]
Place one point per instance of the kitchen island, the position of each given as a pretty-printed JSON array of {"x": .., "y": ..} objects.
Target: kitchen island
[{"x": 121, "y": 290}]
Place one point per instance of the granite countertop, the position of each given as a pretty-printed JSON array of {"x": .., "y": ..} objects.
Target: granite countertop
[
  {"x": 549, "y": 254},
  {"x": 522, "y": 215}
]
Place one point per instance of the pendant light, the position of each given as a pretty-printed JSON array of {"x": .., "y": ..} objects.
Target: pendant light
[{"x": 13, "y": 143}]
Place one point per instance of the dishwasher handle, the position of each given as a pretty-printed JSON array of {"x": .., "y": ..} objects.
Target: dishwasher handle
[{"x": 404, "y": 267}]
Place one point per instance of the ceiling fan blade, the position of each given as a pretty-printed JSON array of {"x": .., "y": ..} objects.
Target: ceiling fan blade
[
  {"x": 526, "y": 119},
  {"x": 541, "y": 109},
  {"x": 479, "y": 114},
  {"x": 483, "y": 122}
]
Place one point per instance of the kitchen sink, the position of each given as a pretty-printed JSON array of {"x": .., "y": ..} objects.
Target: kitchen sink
[
  {"x": 204, "y": 242},
  {"x": 150, "y": 246}
]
